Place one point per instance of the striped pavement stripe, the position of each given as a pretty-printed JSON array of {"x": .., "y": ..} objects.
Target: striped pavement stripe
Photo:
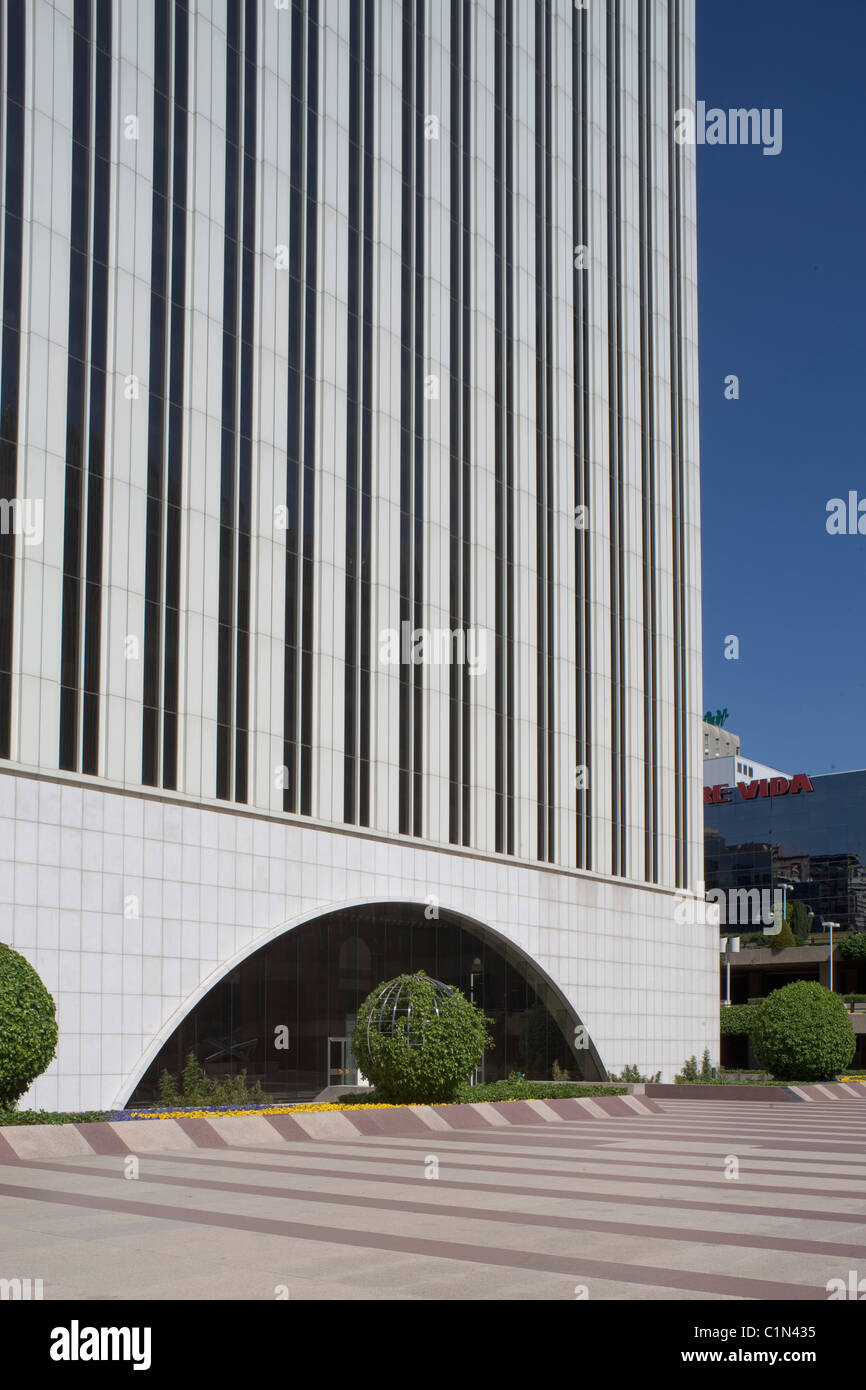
[
  {"x": 216, "y": 1131},
  {"x": 630, "y": 1207}
]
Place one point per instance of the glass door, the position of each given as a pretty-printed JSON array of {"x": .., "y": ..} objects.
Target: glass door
[{"x": 339, "y": 1071}]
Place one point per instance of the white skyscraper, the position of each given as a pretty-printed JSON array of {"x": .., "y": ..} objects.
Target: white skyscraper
[{"x": 350, "y": 563}]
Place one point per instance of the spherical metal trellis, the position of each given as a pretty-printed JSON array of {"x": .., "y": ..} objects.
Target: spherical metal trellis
[{"x": 395, "y": 1002}]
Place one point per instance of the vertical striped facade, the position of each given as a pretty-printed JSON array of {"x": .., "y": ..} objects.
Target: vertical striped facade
[
  {"x": 324, "y": 319},
  {"x": 349, "y": 503}
]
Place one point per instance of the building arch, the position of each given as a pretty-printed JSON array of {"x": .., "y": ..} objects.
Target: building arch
[{"x": 308, "y": 975}]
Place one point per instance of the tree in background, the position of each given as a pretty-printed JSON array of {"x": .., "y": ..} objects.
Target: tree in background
[
  {"x": 800, "y": 922},
  {"x": 784, "y": 937},
  {"x": 853, "y": 948}
]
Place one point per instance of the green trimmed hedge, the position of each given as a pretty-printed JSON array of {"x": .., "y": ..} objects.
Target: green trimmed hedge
[
  {"x": 737, "y": 1019},
  {"x": 515, "y": 1088},
  {"x": 803, "y": 1032},
  {"x": 51, "y": 1117},
  {"x": 28, "y": 1026}
]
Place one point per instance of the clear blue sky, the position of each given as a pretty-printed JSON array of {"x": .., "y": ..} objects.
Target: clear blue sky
[{"x": 782, "y": 285}]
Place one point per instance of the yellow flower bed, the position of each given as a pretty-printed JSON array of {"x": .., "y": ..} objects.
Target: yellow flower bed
[
  {"x": 310, "y": 1109},
  {"x": 262, "y": 1110}
]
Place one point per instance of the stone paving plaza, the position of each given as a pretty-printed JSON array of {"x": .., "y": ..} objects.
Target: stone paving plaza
[{"x": 623, "y": 1208}]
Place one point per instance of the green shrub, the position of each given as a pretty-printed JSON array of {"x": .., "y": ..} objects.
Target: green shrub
[
  {"x": 28, "y": 1027},
  {"x": 755, "y": 939},
  {"x": 633, "y": 1073},
  {"x": 515, "y": 1088},
  {"x": 53, "y": 1117},
  {"x": 168, "y": 1092},
  {"x": 852, "y": 947},
  {"x": 737, "y": 1019},
  {"x": 800, "y": 922},
  {"x": 430, "y": 1063},
  {"x": 691, "y": 1072},
  {"x": 783, "y": 939},
  {"x": 196, "y": 1089},
  {"x": 802, "y": 1032}
]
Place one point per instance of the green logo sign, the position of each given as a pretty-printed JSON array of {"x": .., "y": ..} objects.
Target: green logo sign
[{"x": 718, "y": 718}]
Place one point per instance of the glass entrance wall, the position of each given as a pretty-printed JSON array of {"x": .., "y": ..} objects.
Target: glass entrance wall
[{"x": 312, "y": 980}]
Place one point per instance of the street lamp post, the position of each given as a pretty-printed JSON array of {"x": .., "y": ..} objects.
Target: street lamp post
[
  {"x": 786, "y": 888},
  {"x": 777, "y": 925},
  {"x": 731, "y": 944},
  {"x": 476, "y": 973},
  {"x": 831, "y": 925}
]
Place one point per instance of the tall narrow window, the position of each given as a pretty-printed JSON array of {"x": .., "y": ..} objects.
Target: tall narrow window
[
  {"x": 12, "y": 117},
  {"x": 245, "y": 433},
  {"x": 177, "y": 335},
  {"x": 166, "y": 395},
  {"x": 677, "y": 463},
  {"x": 156, "y": 396},
  {"x": 228, "y": 436},
  {"x": 619, "y": 798},
  {"x": 356, "y": 762},
  {"x": 102, "y": 126},
  {"x": 76, "y": 390},
  {"x": 411, "y": 724},
  {"x": 460, "y": 745},
  {"x": 582, "y": 474},
  {"x": 237, "y": 398},
  {"x": 544, "y": 460},
  {"x": 510, "y": 618},
  {"x": 503, "y": 438},
  {"x": 309, "y": 495},
  {"x": 301, "y": 400},
  {"x": 648, "y": 457}
]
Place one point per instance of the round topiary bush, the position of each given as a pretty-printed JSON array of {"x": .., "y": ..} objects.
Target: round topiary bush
[
  {"x": 853, "y": 947},
  {"x": 418, "y": 1040},
  {"x": 28, "y": 1026},
  {"x": 802, "y": 1032}
]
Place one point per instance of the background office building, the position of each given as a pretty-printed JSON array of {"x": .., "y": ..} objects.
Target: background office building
[
  {"x": 781, "y": 839},
  {"x": 810, "y": 843},
  {"x": 349, "y": 583},
  {"x": 719, "y": 742}
]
